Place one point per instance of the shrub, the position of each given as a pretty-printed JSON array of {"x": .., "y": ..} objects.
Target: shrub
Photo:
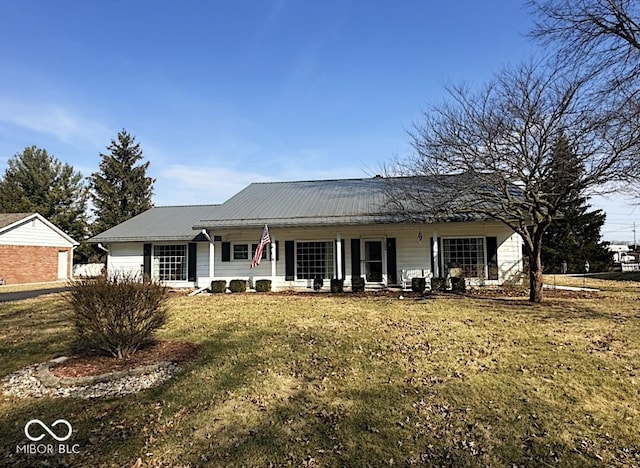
[
  {"x": 317, "y": 284},
  {"x": 357, "y": 284},
  {"x": 337, "y": 286},
  {"x": 263, "y": 285},
  {"x": 438, "y": 284},
  {"x": 218, "y": 286},
  {"x": 458, "y": 285},
  {"x": 237, "y": 286},
  {"x": 117, "y": 314},
  {"x": 418, "y": 284}
]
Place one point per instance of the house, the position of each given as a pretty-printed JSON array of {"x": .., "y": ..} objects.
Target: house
[
  {"x": 319, "y": 229},
  {"x": 33, "y": 250}
]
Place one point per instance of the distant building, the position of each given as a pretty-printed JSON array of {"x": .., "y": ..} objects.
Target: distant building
[{"x": 33, "y": 250}]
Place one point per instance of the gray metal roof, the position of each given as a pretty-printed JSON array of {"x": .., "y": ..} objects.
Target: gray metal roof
[
  {"x": 320, "y": 202},
  {"x": 158, "y": 224}
]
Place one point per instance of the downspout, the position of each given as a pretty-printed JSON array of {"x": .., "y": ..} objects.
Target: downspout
[
  {"x": 104, "y": 249},
  {"x": 211, "y": 254}
]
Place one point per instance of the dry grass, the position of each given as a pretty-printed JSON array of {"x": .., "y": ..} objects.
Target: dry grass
[{"x": 322, "y": 380}]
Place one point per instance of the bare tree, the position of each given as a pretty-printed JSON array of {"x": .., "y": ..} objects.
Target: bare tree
[
  {"x": 604, "y": 35},
  {"x": 602, "y": 38},
  {"x": 491, "y": 155}
]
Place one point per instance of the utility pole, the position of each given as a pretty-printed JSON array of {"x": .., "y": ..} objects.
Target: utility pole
[{"x": 635, "y": 246}]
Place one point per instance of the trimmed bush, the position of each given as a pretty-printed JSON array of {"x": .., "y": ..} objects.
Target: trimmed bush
[
  {"x": 263, "y": 285},
  {"x": 357, "y": 284},
  {"x": 438, "y": 284},
  {"x": 337, "y": 286},
  {"x": 218, "y": 286},
  {"x": 458, "y": 285},
  {"x": 418, "y": 284},
  {"x": 117, "y": 314},
  {"x": 237, "y": 286},
  {"x": 317, "y": 284}
]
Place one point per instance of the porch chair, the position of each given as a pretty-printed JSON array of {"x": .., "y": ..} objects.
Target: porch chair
[{"x": 411, "y": 273}]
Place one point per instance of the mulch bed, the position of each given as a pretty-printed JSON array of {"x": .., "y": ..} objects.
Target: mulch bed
[{"x": 91, "y": 364}]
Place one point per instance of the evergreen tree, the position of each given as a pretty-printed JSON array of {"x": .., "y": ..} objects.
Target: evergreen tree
[
  {"x": 121, "y": 189},
  {"x": 575, "y": 237},
  {"x": 37, "y": 182}
]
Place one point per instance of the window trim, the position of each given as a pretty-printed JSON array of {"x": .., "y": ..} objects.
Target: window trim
[
  {"x": 155, "y": 261},
  {"x": 330, "y": 242},
  {"x": 484, "y": 254},
  {"x": 233, "y": 252}
]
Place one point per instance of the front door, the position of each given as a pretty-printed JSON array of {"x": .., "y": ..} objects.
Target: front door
[{"x": 373, "y": 267}]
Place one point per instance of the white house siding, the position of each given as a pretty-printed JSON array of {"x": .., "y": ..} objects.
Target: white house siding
[
  {"x": 125, "y": 257},
  {"x": 34, "y": 232},
  {"x": 413, "y": 250}
]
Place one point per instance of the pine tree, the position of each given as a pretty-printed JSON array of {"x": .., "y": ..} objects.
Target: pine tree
[
  {"x": 121, "y": 189},
  {"x": 575, "y": 237},
  {"x": 37, "y": 182}
]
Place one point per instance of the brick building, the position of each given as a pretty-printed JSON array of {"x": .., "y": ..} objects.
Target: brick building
[{"x": 33, "y": 250}]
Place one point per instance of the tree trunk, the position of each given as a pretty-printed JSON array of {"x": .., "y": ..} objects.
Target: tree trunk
[{"x": 535, "y": 273}]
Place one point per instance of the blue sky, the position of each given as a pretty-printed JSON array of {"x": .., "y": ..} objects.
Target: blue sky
[{"x": 224, "y": 93}]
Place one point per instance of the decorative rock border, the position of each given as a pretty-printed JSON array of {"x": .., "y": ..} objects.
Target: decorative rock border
[{"x": 38, "y": 381}]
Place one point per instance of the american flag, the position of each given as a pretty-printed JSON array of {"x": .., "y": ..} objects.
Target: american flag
[{"x": 264, "y": 240}]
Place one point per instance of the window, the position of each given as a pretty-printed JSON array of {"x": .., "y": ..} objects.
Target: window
[
  {"x": 170, "y": 262},
  {"x": 314, "y": 260},
  {"x": 240, "y": 252},
  {"x": 466, "y": 254}
]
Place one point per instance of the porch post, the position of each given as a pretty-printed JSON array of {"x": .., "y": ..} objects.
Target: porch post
[
  {"x": 434, "y": 256},
  {"x": 273, "y": 262},
  {"x": 339, "y": 256}
]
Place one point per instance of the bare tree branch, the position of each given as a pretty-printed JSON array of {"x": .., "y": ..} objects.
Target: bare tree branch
[{"x": 491, "y": 154}]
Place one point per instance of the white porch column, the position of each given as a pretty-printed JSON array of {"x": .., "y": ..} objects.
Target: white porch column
[
  {"x": 434, "y": 256},
  {"x": 212, "y": 260},
  {"x": 339, "y": 256},
  {"x": 273, "y": 262}
]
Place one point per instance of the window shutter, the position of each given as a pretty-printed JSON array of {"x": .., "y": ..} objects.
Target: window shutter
[
  {"x": 492, "y": 258},
  {"x": 355, "y": 258},
  {"x": 277, "y": 251},
  {"x": 192, "y": 261},
  {"x": 289, "y": 261},
  {"x": 392, "y": 275},
  {"x": 226, "y": 251},
  {"x": 146, "y": 260}
]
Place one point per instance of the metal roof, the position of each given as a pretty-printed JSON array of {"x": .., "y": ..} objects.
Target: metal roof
[
  {"x": 158, "y": 224},
  {"x": 304, "y": 203}
]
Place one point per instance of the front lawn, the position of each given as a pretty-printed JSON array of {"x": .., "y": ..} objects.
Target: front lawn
[{"x": 321, "y": 380}]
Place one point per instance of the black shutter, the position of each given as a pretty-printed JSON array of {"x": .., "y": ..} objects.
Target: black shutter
[
  {"x": 355, "y": 258},
  {"x": 492, "y": 258},
  {"x": 440, "y": 249},
  {"x": 192, "y": 261},
  {"x": 289, "y": 261},
  {"x": 226, "y": 251},
  {"x": 146, "y": 260},
  {"x": 392, "y": 275},
  {"x": 277, "y": 251}
]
